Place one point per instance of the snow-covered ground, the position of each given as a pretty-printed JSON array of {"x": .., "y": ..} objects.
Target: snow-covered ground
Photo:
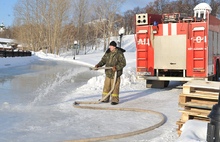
[{"x": 133, "y": 94}]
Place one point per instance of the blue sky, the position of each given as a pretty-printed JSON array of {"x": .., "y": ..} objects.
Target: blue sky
[
  {"x": 7, "y": 9},
  {"x": 131, "y": 4},
  {"x": 7, "y": 12}
]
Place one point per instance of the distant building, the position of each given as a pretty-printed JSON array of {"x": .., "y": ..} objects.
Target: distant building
[
  {"x": 8, "y": 44},
  {"x": 95, "y": 22},
  {"x": 2, "y": 27}
]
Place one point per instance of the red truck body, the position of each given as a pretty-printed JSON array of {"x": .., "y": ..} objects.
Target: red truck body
[{"x": 178, "y": 47}]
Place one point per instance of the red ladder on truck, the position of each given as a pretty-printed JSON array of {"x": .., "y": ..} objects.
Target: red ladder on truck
[
  {"x": 144, "y": 52},
  {"x": 198, "y": 49}
]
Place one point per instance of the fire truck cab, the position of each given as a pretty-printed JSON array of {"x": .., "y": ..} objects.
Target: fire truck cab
[{"x": 175, "y": 47}]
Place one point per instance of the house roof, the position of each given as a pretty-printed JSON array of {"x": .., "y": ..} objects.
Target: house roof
[{"x": 6, "y": 40}]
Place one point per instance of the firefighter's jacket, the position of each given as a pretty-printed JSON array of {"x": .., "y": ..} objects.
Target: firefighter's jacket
[{"x": 113, "y": 58}]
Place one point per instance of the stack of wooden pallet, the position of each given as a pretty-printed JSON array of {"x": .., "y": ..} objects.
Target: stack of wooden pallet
[{"x": 197, "y": 99}]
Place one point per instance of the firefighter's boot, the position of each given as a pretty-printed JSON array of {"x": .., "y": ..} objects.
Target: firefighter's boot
[
  {"x": 107, "y": 99},
  {"x": 114, "y": 99}
]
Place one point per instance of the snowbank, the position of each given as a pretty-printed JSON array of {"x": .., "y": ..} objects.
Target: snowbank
[
  {"x": 193, "y": 131},
  {"x": 16, "y": 61}
]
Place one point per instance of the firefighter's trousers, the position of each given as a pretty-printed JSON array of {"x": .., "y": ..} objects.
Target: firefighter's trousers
[{"x": 108, "y": 86}]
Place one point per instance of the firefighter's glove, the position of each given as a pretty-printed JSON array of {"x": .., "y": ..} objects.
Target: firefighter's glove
[
  {"x": 96, "y": 67},
  {"x": 114, "y": 69}
]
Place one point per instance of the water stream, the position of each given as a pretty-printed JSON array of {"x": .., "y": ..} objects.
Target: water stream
[{"x": 27, "y": 96}]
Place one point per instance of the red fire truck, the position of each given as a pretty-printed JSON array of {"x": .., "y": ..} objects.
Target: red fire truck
[{"x": 174, "y": 47}]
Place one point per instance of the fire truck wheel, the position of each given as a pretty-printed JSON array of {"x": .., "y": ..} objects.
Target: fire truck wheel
[
  {"x": 156, "y": 83},
  {"x": 166, "y": 83}
]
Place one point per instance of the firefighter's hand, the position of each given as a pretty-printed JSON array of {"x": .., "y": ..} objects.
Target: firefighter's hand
[
  {"x": 96, "y": 67},
  {"x": 114, "y": 69}
]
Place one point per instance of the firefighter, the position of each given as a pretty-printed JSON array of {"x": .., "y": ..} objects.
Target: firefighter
[{"x": 113, "y": 57}]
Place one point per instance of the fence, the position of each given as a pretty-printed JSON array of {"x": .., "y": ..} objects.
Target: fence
[{"x": 12, "y": 53}]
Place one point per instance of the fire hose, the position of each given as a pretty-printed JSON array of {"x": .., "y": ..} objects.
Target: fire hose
[{"x": 77, "y": 105}]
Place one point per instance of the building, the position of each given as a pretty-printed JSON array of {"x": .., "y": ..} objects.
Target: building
[
  {"x": 2, "y": 27},
  {"x": 8, "y": 44}
]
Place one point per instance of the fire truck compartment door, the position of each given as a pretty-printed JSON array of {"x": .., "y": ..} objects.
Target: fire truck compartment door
[{"x": 170, "y": 52}]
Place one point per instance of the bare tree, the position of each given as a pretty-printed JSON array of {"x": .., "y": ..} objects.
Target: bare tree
[
  {"x": 215, "y": 5},
  {"x": 80, "y": 10},
  {"x": 97, "y": 26},
  {"x": 137, "y": 10},
  {"x": 7, "y": 33},
  {"x": 119, "y": 22},
  {"x": 128, "y": 21},
  {"x": 69, "y": 35},
  {"x": 107, "y": 9},
  {"x": 41, "y": 22}
]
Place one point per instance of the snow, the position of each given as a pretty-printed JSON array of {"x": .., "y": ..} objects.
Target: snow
[
  {"x": 6, "y": 40},
  {"x": 133, "y": 94},
  {"x": 193, "y": 131},
  {"x": 18, "y": 61}
]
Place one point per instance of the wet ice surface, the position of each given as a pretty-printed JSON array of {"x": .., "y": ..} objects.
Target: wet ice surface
[
  {"x": 41, "y": 81},
  {"x": 28, "y": 96}
]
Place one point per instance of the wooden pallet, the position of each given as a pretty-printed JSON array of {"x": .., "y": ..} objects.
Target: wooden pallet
[
  {"x": 180, "y": 124},
  {"x": 194, "y": 114},
  {"x": 197, "y": 99},
  {"x": 201, "y": 86}
]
